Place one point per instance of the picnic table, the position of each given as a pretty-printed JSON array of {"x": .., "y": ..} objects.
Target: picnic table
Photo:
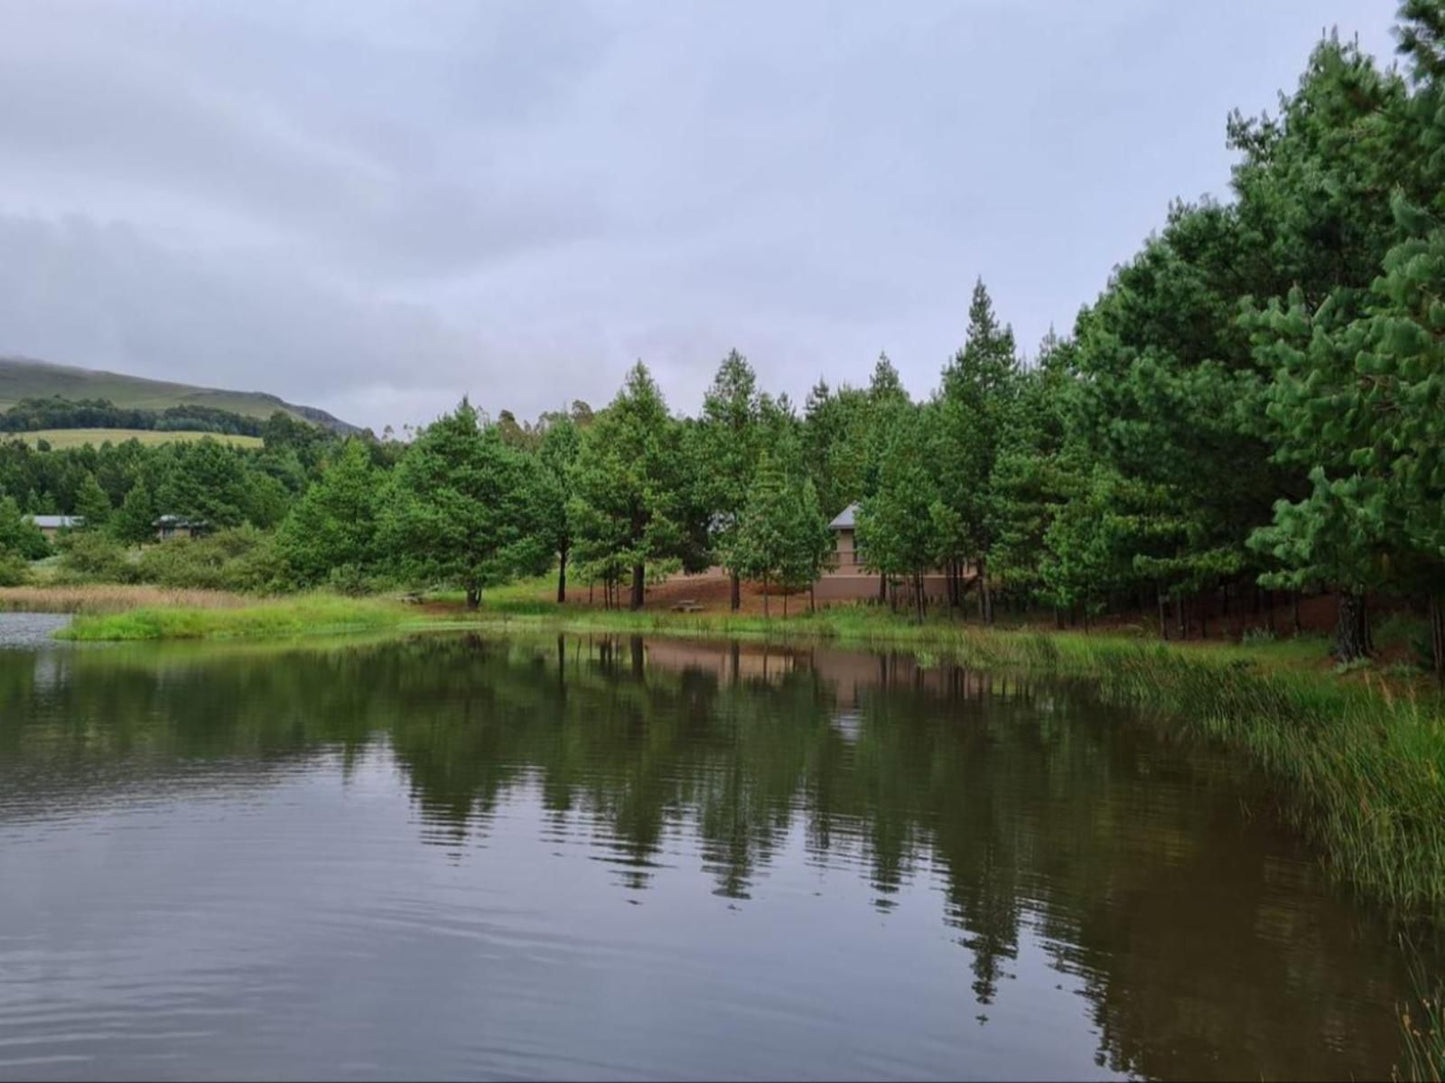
[{"x": 686, "y": 605}]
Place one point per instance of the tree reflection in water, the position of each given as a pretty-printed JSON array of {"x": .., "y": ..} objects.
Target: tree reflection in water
[{"x": 1202, "y": 937}]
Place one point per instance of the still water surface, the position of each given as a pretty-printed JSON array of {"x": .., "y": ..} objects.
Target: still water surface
[{"x": 453, "y": 856}]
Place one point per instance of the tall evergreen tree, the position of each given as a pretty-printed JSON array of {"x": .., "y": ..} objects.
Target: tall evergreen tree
[
  {"x": 459, "y": 507},
  {"x": 729, "y": 442},
  {"x": 556, "y": 482},
  {"x": 971, "y": 412},
  {"x": 630, "y": 501},
  {"x": 91, "y": 503},
  {"x": 336, "y": 522}
]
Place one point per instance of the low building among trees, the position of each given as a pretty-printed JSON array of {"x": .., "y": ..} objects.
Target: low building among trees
[
  {"x": 53, "y": 525},
  {"x": 178, "y": 526},
  {"x": 850, "y": 578}
]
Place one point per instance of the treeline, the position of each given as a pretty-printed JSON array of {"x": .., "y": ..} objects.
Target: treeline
[
  {"x": 36, "y": 415},
  {"x": 1254, "y": 405}
]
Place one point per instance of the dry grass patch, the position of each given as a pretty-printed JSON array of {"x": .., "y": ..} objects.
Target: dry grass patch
[{"x": 113, "y": 598}]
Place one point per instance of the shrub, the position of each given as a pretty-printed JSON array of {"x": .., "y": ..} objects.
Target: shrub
[
  {"x": 92, "y": 557},
  {"x": 14, "y": 570},
  {"x": 349, "y": 579},
  {"x": 241, "y": 559}
]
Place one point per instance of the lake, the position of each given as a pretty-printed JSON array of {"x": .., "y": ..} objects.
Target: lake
[{"x": 454, "y": 856}]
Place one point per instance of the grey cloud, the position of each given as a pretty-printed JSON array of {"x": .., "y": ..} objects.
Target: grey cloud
[{"x": 379, "y": 206}]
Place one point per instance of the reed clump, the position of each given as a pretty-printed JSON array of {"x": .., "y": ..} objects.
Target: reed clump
[{"x": 113, "y": 598}]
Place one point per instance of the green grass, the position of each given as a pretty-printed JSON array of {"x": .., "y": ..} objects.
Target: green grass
[
  {"x": 65, "y": 438},
  {"x": 281, "y": 618}
]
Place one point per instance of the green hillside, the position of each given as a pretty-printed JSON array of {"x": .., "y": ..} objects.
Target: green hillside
[{"x": 22, "y": 378}]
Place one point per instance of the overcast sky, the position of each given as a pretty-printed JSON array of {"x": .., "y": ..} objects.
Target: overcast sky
[{"x": 374, "y": 208}]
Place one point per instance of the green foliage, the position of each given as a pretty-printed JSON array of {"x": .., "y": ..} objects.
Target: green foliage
[
  {"x": 133, "y": 522},
  {"x": 336, "y": 521},
  {"x": 970, "y": 416},
  {"x": 459, "y": 508},
  {"x": 555, "y": 484},
  {"x": 91, "y": 556},
  {"x": 809, "y": 551},
  {"x": 14, "y": 570},
  {"x": 630, "y": 503},
  {"x": 241, "y": 559},
  {"x": 92, "y": 504},
  {"x": 898, "y": 530},
  {"x": 18, "y": 535},
  {"x": 761, "y": 545}
]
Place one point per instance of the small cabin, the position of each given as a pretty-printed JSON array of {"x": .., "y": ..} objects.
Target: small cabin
[
  {"x": 850, "y": 580},
  {"x": 53, "y": 525},
  {"x": 178, "y": 526}
]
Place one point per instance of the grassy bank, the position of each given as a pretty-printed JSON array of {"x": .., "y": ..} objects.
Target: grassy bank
[{"x": 302, "y": 615}]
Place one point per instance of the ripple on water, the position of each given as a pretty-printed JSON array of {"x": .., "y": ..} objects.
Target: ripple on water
[{"x": 30, "y": 630}]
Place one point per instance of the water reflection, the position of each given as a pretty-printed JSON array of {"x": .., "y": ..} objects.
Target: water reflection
[{"x": 1061, "y": 845}]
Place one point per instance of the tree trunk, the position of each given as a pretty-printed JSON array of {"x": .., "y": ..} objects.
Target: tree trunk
[
  {"x": 785, "y": 603},
  {"x": 474, "y": 596},
  {"x": 1163, "y": 620},
  {"x": 1350, "y": 628},
  {"x": 1058, "y": 618},
  {"x": 1294, "y": 611},
  {"x": 735, "y": 592},
  {"x": 1086, "y": 614},
  {"x": 812, "y": 599},
  {"x": 639, "y": 585},
  {"x": 882, "y": 587},
  {"x": 985, "y": 600},
  {"x": 918, "y": 596},
  {"x": 562, "y": 575},
  {"x": 1437, "y": 637},
  {"x": 1269, "y": 610},
  {"x": 1179, "y": 616},
  {"x": 765, "y": 597}
]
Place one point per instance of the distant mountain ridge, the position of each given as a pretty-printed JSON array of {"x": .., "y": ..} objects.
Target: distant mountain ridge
[{"x": 26, "y": 378}]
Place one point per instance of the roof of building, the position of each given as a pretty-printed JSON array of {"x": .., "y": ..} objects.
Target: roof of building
[
  {"x": 57, "y": 522},
  {"x": 844, "y": 520}
]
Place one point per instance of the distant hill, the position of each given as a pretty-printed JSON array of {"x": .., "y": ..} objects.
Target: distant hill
[{"x": 23, "y": 378}]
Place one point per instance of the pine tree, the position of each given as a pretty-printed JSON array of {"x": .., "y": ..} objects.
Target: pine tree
[
  {"x": 458, "y": 509},
  {"x": 729, "y": 441},
  {"x": 91, "y": 503},
  {"x": 896, "y": 532},
  {"x": 971, "y": 412},
  {"x": 763, "y": 546},
  {"x": 631, "y": 501},
  {"x": 556, "y": 481},
  {"x": 134, "y": 521},
  {"x": 810, "y": 549},
  {"x": 335, "y": 523}
]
